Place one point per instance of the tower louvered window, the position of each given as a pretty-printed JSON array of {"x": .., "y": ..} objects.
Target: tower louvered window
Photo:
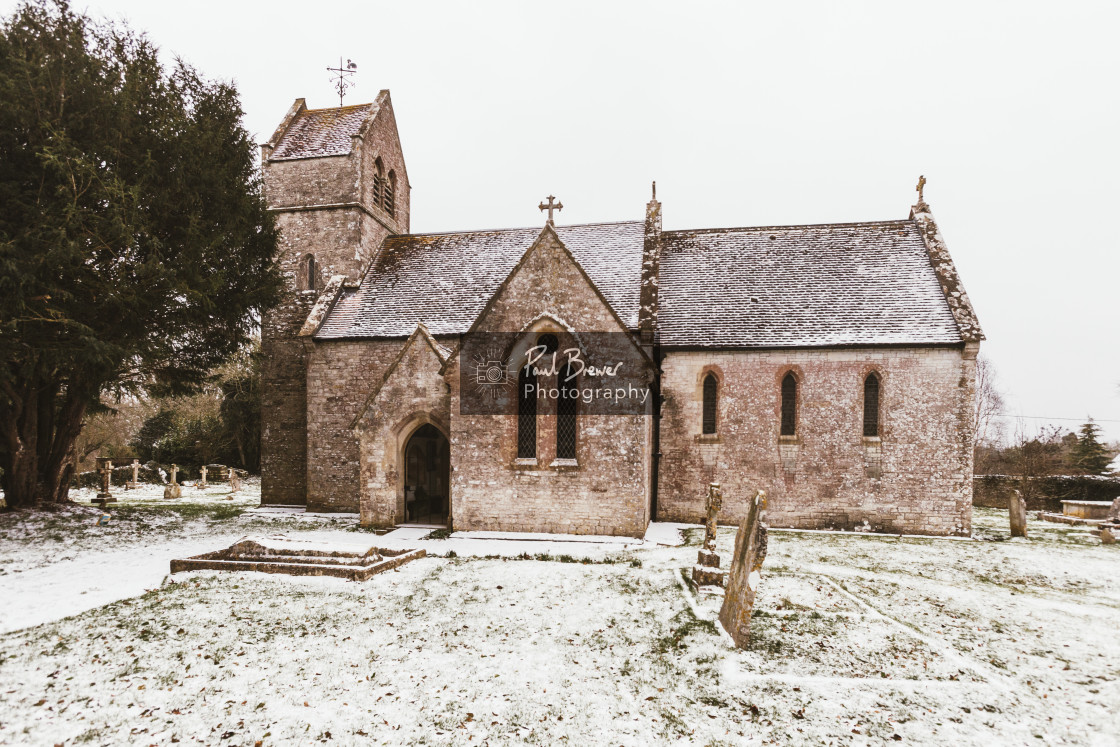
[
  {"x": 871, "y": 405},
  {"x": 711, "y": 402},
  {"x": 566, "y": 414},
  {"x": 526, "y": 415},
  {"x": 789, "y": 405},
  {"x": 388, "y": 192}
]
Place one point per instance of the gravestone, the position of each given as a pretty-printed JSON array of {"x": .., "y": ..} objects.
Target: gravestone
[
  {"x": 706, "y": 572},
  {"x": 135, "y": 481},
  {"x": 1110, "y": 529},
  {"x": 105, "y": 469},
  {"x": 746, "y": 572},
  {"x": 1017, "y": 510},
  {"x": 234, "y": 480},
  {"x": 173, "y": 490},
  {"x": 201, "y": 484}
]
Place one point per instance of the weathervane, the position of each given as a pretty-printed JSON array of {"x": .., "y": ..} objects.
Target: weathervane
[
  {"x": 341, "y": 77},
  {"x": 550, "y": 206}
]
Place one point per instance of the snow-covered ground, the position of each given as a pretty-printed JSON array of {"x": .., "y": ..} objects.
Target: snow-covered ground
[{"x": 495, "y": 640}]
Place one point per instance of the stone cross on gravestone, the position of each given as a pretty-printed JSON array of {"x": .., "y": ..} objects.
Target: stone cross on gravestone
[
  {"x": 105, "y": 467},
  {"x": 550, "y": 206},
  {"x": 706, "y": 572},
  {"x": 202, "y": 481},
  {"x": 135, "y": 482},
  {"x": 173, "y": 490}
]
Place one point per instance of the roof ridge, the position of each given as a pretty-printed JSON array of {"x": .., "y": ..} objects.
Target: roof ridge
[
  {"x": 896, "y": 222},
  {"x": 335, "y": 108},
  {"x": 516, "y": 228}
]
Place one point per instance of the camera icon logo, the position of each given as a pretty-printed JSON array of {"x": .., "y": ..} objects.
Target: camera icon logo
[{"x": 490, "y": 372}]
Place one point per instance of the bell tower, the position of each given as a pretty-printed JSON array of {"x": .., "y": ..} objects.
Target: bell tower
[{"x": 336, "y": 180}]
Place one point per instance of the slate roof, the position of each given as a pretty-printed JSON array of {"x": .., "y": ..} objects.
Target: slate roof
[
  {"x": 766, "y": 287},
  {"x": 445, "y": 280},
  {"x": 322, "y": 132},
  {"x": 832, "y": 284}
]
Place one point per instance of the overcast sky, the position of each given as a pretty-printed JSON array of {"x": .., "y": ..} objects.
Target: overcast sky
[{"x": 746, "y": 113}]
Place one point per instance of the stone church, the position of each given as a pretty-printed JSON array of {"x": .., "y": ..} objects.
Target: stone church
[{"x": 593, "y": 378}]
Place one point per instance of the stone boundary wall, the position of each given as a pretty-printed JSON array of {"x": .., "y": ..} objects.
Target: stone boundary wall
[{"x": 1043, "y": 493}]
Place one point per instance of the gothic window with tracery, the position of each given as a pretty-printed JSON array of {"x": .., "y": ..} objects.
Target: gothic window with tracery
[
  {"x": 566, "y": 408},
  {"x": 526, "y": 414}
]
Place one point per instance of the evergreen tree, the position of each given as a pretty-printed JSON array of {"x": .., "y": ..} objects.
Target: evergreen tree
[
  {"x": 1090, "y": 454},
  {"x": 135, "y": 244}
]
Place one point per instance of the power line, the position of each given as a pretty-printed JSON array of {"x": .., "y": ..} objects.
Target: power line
[{"x": 1042, "y": 417}]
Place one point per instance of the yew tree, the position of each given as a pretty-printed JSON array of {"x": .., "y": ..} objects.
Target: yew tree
[{"x": 136, "y": 249}]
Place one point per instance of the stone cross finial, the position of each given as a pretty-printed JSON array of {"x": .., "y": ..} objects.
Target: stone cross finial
[
  {"x": 920, "y": 189},
  {"x": 550, "y": 206},
  {"x": 654, "y": 190}
]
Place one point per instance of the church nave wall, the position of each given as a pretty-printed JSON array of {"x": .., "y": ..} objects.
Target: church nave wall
[{"x": 916, "y": 478}]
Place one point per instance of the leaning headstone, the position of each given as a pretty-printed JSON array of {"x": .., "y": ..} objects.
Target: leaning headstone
[
  {"x": 1017, "y": 510},
  {"x": 746, "y": 572},
  {"x": 706, "y": 572},
  {"x": 234, "y": 480},
  {"x": 173, "y": 490},
  {"x": 105, "y": 470}
]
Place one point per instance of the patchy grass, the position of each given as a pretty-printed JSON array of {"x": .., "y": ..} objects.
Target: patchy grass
[{"x": 856, "y": 639}]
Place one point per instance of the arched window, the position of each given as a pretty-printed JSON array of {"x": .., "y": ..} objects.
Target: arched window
[
  {"x": 789, "y": 405},
  {"x": 550, "y": 343},
  {"x": 566, "y": 413},
  {"x": 389, "y": 192},
  {"x": 378, "y": 181},
  {"x": 308, "y": 273},
  {"x": 526, "y": 414},
  {"x": 711, "y": 402},
  {"x": 871, "y": 405}
]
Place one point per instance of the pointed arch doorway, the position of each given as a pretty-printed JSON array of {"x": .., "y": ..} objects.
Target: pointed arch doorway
[{"x": 427, "y": 477}]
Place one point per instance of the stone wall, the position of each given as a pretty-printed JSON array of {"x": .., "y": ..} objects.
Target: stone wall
[
  {"x": 413, "y": 394},
  {"x": 916, "y": 479},
  {"x": 340, "y": 376},
  {"x": 606, "y": 489},
  {"x": 284, "y": 402}
]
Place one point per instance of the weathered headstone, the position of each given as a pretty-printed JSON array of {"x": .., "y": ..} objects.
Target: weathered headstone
[
  {"x": 201, "y": 484},
  {"x": 105, "y": 469},
  {"x": 234, "y": 480},
  {"x": 173, "y": 490},
  {"x": 135, "y": 481},
  {"x": 706, "y": 572},
  {"x": 1110, "y": 529},
  {"x": 1017, "y": 510},
  {"x": 746, "y": 572}
]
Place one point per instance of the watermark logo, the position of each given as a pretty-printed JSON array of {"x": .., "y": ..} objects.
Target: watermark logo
[
  {"x": 601, "y": 373},
  {"x": 492, "y": 373}
]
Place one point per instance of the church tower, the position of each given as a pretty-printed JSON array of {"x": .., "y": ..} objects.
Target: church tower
[{"x": 336, "y": 180}]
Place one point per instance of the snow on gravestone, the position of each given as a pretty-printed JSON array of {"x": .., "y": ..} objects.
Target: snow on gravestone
[
  {"x": 746, "y": 572},
  {"x": 1017, "y": 510}
]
